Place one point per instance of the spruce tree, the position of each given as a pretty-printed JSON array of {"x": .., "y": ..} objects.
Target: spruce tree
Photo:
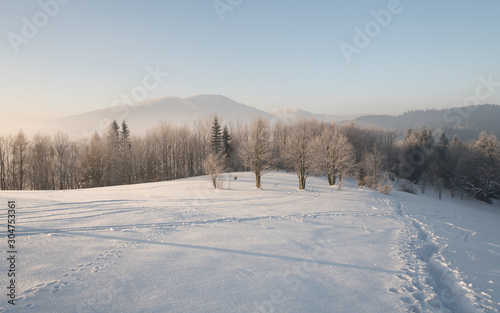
[
  {"x": 112, "y": 157},
  {"x": 216, "y": 138},
  {"x": 226, "y": 143},
  {"x": 125, "y": 154}
]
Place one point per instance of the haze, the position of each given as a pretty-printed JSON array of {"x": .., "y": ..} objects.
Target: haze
[{"x": 332, "y": 57}]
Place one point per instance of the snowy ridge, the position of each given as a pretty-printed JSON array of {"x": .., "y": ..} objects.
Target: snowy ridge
[{"x": 180, "y": 246}]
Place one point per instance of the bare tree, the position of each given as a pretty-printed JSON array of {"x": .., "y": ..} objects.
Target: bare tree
[
  {"x": 62, "y": 152},
  {"x": 298, "y": 149},
  {"x": 334, "y": 153},
  {"x": 18, "y": 167},
  {"x": 5, "y": 162},
  {"x": 40, "y": 163},
  {"x": 214, "y": 165},
  {"x": 278, "y": 143},
  {"x": 375, "y": 173},
  {"x": 93, "y": 163},
  {"x": 255, "y": 150}
]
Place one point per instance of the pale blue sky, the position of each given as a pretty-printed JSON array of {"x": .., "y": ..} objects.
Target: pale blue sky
[{"x": 267, "y": 54}]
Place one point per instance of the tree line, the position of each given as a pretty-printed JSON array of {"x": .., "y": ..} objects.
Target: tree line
[{"x": 376, "y": 157}]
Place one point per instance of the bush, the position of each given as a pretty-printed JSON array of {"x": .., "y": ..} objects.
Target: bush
[
  {"x": 408, "y": 187},
  {"x": 385, "y": 188}
]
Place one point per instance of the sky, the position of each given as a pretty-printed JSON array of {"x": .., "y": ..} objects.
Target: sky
[{"x": 60, "y": 58}]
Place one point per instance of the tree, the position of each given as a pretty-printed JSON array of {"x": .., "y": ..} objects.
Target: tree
[
  {"x": 335, "y": 154},
  {"x": 416, "y": 154},
  {"x": 375, "y": 173},
  {"x": 214, "y": 165},
  {"x": 93, "y": 163},
  {"x": 255, "y": 150},
  {"x": 112, "y": 169},
  {"x": 5, "y": 163},
  {"x": 481, "y": 184},
  {"x": 298, "y": 150},
  {"x": 40, "y": 163},
  {"x": 19, "y": 160},
  {"x": 216, "y": 136},
  {"x": 226, "y": 144},
  {"x": 278, "y": 143},
  {"x": 125, "y": 150},
  {"x": 62, "y": 154}
]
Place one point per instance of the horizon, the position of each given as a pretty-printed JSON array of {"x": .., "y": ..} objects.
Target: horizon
[{"x": 63, "y": 58}]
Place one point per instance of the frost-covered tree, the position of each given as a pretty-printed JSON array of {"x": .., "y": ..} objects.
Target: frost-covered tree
[
  {"x": 112, "y": 170},
  {"x": 255, "y": 149},
  {"x": 483, "y": 180},
  {"x": 335, "y": 155},
  {"x": 214, "y": 166},
  {"x": 299, "y": 151},
  {"x": 62, "y": 156},
  {"x": 278, "y": 142},
  {"x": 20, "y": 149},
  {"x": 41, "y": 163},
  {"x": 94, "y": 162},
  {"x": 125, "y": 154},
  {"x": 5, "y": 162},
  {"x": 376, "y": 178}
]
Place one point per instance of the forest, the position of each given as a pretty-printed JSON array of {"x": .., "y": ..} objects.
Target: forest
[{"x": 375, "y": 157}]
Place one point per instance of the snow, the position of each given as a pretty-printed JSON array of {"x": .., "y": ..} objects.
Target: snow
[{"x": 181, "y": 246}]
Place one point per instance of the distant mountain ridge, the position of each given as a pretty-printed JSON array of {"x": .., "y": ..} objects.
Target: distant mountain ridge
[
  {"x": 294, "y": 113},
  {"x": 149, "y": 113},
  {"x": 467, "y": 122}
]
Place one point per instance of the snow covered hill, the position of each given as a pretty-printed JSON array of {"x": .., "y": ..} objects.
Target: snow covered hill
[{"x": 181, "y": 246}]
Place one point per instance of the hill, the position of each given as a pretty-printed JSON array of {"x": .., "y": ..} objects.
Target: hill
[
  {"x": 181, "y": 246},
  {"x": 466, "y": 122},
  {"x": 181, "y": 111},
  {"x": 147, "y": 114}
]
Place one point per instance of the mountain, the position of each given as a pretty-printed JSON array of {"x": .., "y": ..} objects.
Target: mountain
[
  {"x": 467, "y": 122},
  {"x": 294, "y": 113},
  {"x": 147, "y": 114}
]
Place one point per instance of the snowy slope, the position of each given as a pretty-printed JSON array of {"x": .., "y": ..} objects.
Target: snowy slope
[{"x": 180, "y": 246}]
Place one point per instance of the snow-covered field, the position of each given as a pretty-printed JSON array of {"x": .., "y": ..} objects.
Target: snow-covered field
[{"x": 180, "y": 246}]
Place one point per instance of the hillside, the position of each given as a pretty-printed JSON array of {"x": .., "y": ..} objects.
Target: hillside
[
  {"x": 181, "y": 246},
  {"x": 466, "y": 122}
]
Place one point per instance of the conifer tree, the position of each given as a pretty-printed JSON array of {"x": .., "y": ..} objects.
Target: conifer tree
[
  {"x": 226, "y": 143},
  {"x": 216, "y": 136}
]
